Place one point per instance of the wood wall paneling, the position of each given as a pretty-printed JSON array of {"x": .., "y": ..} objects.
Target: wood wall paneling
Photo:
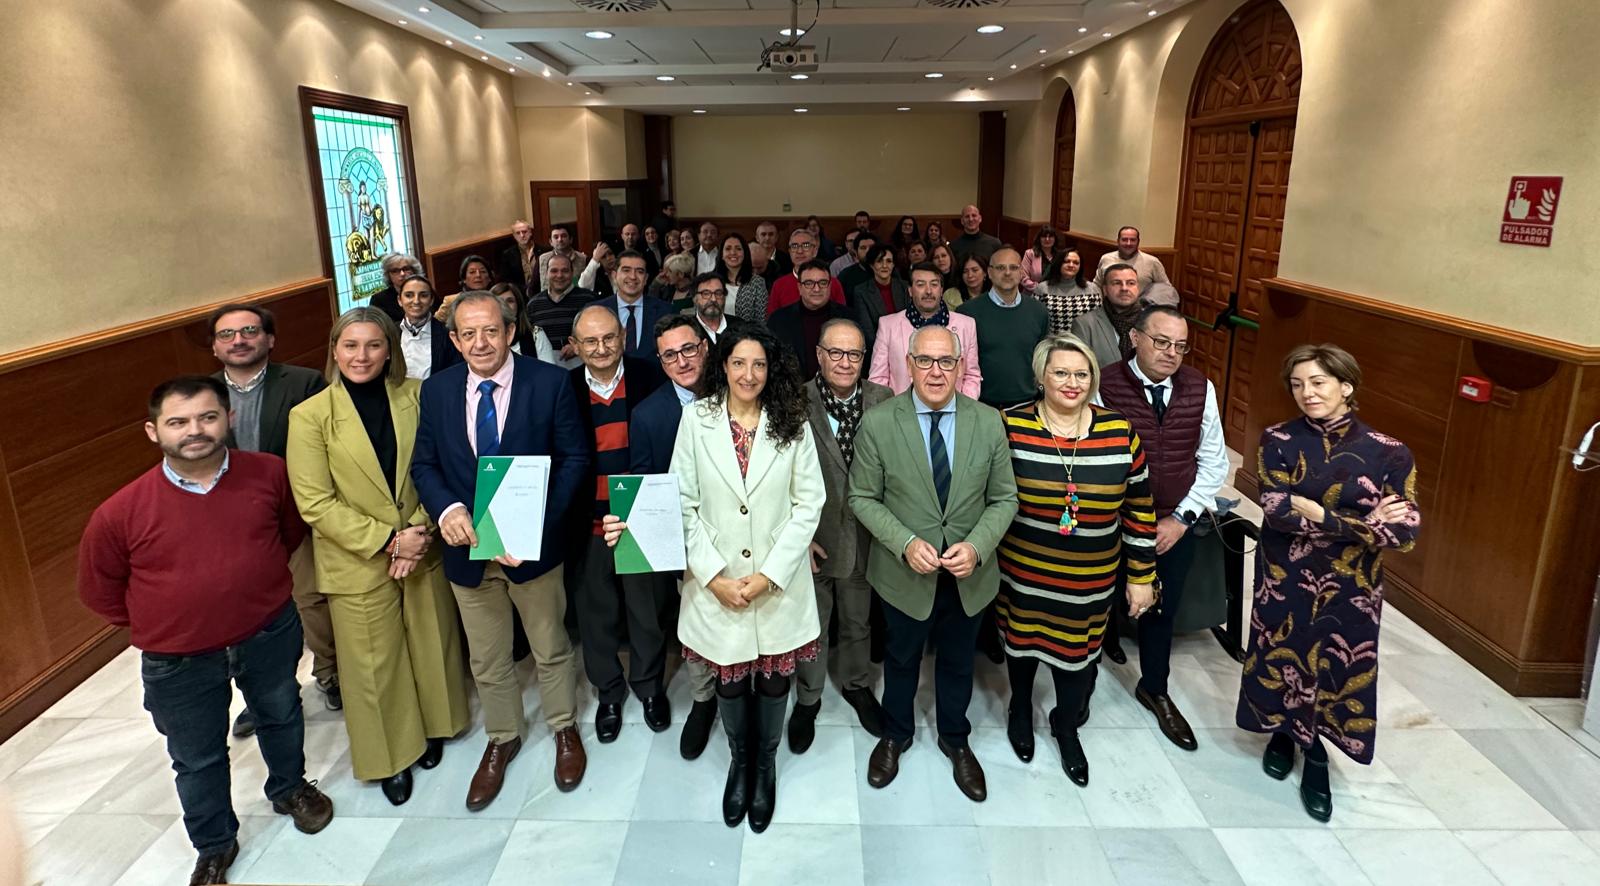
[
  {"x": 834, "y": 226},
  {"x": 48, "y": 641},
  {"x": 443, "y": 265},
  {"x": 1092, "y": 248}
]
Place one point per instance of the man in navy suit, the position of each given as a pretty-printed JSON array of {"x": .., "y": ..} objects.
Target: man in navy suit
[
  {"x": 637, "y": 314},
  {"x": 682, "y": 347},
  {"x": 497, "y": 403}
]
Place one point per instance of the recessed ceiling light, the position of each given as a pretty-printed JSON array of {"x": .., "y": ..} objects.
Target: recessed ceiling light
[
  {"x": 1043, "y": 51},
  {"x": 991, "y": 79},
  {"x": 424, "y": 10},
  {"x": 449, "y": 42},
  {"x": 477, "y": 36},
  {"x": 665, "y": 78},
  {"x": 933, "y": 76},
  {"x": 517, "y": 57},
  {"x": 403, "y": 22},
  {"x": 991, "y": 29},
  {"x": 1106, "y": 34},
  {"x": 699, "y": 110},
  {"x": 1013, "y": 67},
  {"x": 588, "y": 93},
  {"x": 547, "y": 72},
  {"x": 569, "y": 83},
  {"x": 798, "y": 32},
  {"x": 902, "y": 109},
  {"x": 514, "y": 70},
  {"x": 1083, "y": 30},
  {"x": 799, "y": 76},
  {"x": 1072, "y": 52},
  {"x": 483, "y": 58},
  {"x": 1151, "y": 13},
  {"x": 799, "y": 110},
  {"x": 598, "y": 35}
]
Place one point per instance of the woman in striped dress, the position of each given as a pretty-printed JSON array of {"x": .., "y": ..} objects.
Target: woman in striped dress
[{"x": 1085, "y": 517}]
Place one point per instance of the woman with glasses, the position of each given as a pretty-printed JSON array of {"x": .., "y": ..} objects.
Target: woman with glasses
[
  {"x": 974, "y": 279},
  {"x": 529, "y": 340},
  {"x": 396, "y": 268},
  {"x": 1066, "y": 292},
  {"x": 905, "y": 234},
  {"x": 1085, "y": 524},
  {"x": 401, "y": 665},
  {"x": 1040, "y": 259},
  {"x": 747, "y": 291},
  {"x": 1336, "y": 495},
  {"x": 423, "y": 339}
]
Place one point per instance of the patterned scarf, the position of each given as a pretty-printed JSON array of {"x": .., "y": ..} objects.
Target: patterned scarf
[
  {"x": 1122, "y": 321},
  {"x": 847, "y": 413},
  {"x": 940, "y": 317}
]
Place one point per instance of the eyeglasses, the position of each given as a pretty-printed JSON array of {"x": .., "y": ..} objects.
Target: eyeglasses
[
  {"x": 837, "y": 354},
  {"x": 589, "y": 344},
  {"x": 813, "y": 284},
  {"x": 1163, "y": 344},
  {"x": 1060, "y": 376},
  {"x": 923, "y": 361},
  {"x": 686, "y": 352},
  {"x": 1005, "y": 267},
  {"x": 719, "y": 293},
  {"x": 243, "y": 331}
]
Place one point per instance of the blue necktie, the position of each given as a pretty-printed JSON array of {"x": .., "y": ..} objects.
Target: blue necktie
[
  {"x": 487, "y": 424},
  {"x": 939, "y": 459},
  {"x": 1158, "y": 402},
  {"x": 631, "y": 328}
]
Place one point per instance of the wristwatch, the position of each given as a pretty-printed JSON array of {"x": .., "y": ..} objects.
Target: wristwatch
[{"x": 1187, "y": 518}]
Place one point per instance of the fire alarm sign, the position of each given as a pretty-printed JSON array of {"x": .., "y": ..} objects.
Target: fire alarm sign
[{"x": 1529, "y": 217}]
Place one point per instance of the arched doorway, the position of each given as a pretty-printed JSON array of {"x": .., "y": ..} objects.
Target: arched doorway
[
  {"x": 1240, "y": 137},
  {"x": 1066, "y": 145}
]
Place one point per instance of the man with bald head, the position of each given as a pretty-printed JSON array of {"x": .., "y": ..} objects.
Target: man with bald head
[
  {"x": 1009, "y": 325},
  {"x": 705, "y": 258},
  {"x": 973, "y": 241}
]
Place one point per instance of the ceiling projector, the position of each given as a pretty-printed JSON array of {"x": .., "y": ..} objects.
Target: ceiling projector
[{"x": 794, "y": 59}]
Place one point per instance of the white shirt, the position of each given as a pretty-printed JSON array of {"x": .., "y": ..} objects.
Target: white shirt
[
  {"x": 604, "y": 388},
  {"x": 704, "y": 262},
  {"x": 1212, "y": 454},
  {"x": 709, "y": 331},
  {"x": 417, "y": 346}
]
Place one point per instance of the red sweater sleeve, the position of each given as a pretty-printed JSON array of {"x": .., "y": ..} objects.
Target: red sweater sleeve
[
  {"x": 103, "y": 568},
  {"x": 293, "y": 527}
]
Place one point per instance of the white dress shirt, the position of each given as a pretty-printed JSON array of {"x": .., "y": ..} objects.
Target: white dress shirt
[
  {"x": 604, "y": 388},
  {"x": 704, "y": 262},
  {"x": 417, "y": 346},
  {"x": 1212, "y": 454}
]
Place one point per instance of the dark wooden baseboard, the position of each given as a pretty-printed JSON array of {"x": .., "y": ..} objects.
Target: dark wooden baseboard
[{"x": 21, "y": 707}]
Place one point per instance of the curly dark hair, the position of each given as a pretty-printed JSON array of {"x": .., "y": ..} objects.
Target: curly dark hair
[{"x": 784, "y": 396}]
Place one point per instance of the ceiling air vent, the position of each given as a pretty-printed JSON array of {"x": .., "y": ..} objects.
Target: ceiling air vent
[
  {"x": 963, "y": 4},
  {"x": 617, "y": 5}
]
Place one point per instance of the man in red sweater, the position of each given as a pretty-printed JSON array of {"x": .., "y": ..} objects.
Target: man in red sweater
[{"x": 193, "y": 558}]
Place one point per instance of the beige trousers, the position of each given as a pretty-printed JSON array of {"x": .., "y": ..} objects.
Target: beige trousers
[{"x": 486, "y": 613}]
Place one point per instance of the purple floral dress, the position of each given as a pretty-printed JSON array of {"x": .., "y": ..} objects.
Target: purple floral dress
[{"x": 1312, "y": 660}]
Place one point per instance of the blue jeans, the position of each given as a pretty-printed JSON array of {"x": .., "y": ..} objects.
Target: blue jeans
[{"x": 188, "y": 696}]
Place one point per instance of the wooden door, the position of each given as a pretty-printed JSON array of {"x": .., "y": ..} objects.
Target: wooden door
[
  {"x": 1066, "y": 146},
  {"x": 1236, "y": 173},
  {"x": 567, "y": 205}
]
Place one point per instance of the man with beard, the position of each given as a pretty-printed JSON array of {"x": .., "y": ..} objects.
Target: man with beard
[
  {"x": 710, "y": 306},
  {"x": 262, "y": 393},
  {"x": 1106, "y": 331},
  {"x": 193, "y": 558}
]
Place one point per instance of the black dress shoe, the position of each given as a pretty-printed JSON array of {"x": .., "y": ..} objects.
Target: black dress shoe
[
  {"x": 657, "y": 713},
  {"x": 803, "y": 727},
  {"x": 966, "y": 770},
  {"x": 1278, "y": 761},
  {"x": 1171, "y": 721},
  {"x": 697, "y": 729},
  {"x": 1315, "y": 793},
  {"x": 868, "y": 710},
  {"x": 1073, "y": 759},
  {"x": 397, "y": 787},
  {"x": 1113, "y": 650},
  {"x": 244, "y": 725},
  {"x": 1019, "y": 730},
  {"x": 213, "y": 868},
  {"x": 608, "y": 722},
  {"x": 884, "y": 764},
  {"x": 434, "y": 753},
  {"x": 332, "y": 696}
]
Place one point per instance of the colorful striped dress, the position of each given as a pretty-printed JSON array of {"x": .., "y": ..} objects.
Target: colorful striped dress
[{"x": 1059, "y": 589}]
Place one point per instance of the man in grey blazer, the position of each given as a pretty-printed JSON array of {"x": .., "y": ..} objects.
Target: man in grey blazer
[
  {"x": 839, "y": 396},
  {"x": 932, "y": 482}
]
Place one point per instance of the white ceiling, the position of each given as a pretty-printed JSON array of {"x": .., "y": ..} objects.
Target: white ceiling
[{"x": 871, "y": 52}]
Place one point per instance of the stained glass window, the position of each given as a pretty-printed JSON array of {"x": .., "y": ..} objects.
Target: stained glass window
[{"x": 362, "y": 176}]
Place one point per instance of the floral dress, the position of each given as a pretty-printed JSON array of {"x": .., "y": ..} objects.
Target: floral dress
[{"x": 1312, "y": 660}]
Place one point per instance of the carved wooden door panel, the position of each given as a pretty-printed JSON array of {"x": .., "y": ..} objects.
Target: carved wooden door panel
[
  {"x": 1066, "y": 146},
  {"x": 1218, "y": 177},
  {"x": 1263, "y": 236}
]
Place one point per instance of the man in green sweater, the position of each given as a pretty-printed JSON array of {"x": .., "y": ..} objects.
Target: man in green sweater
[{"x": 1009, "y": 325}]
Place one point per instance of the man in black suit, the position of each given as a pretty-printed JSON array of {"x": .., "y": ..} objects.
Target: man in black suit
[
  {"x": 261, "y": 393},
  {"x": 501, "y": 404},
  {"x": 710, "y": 307},
  {"x": 800, "y": 325},
  {"x": 519, "y": 263},
  {"x": 682, "y": 347},
  {"x": 636, "y": 314}
]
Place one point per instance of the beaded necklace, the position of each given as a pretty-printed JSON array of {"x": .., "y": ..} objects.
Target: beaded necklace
[{"x": 1069, "y": 502}]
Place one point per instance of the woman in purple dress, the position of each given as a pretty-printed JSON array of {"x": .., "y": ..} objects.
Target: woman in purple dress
[{"x": 1336, "y": 494}]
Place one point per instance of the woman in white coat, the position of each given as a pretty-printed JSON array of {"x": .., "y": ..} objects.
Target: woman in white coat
[{"x": 752, "y": 495}]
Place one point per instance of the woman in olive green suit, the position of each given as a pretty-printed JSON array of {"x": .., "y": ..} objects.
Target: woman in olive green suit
[{"x": 394, "y": 617}]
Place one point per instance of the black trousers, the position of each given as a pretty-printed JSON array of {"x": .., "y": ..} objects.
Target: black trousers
[
  {"x": 609, "y": 603},
  {"x": 953, "y": 632},
  {"x": 1155, "y": 626}
]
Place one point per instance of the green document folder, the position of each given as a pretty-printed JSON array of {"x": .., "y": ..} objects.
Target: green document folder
[
  {"x": 508, "y": 506},
  {"x": 649, "y": 504}
]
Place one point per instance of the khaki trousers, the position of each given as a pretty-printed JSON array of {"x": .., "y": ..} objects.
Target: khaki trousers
[
  {"x": 487, "y": 612},
  {"x": 852, "y": 597},
  {"x": 314, "y": 617}
]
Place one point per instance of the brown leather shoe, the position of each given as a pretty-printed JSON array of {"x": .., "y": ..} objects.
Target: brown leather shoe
[
  {"x": 570, "y": 759},
  {"x": 884, "y": 764},
  {"x": 1171, "y": 721},
  {"x": 967, "y": 772},
  {"x": 213, "y": 868},
  {"x": 491, "y": 774},
  {"x": 310, "y": 808}
]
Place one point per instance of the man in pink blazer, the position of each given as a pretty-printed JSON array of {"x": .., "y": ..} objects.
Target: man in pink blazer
[{"x": 894, "y": 334}]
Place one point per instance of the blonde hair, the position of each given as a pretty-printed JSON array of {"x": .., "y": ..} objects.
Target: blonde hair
[
  {"x": 1065, "y": 342},
  {"x": 391, "y": 335}
]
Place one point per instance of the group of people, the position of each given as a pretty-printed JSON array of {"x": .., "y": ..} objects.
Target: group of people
[{"x": 997, "y": 470}]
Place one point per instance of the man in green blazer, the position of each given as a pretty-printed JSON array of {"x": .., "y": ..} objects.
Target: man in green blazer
[{"x": 932, "y": 483}]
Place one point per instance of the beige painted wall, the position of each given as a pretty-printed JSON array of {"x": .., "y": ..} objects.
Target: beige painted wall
[
  {"x": 1413, "y": 118},
  {"x": 826, "y": 165},
  {"x": 153, "y": 155},
  {"x": 580, "y": 144}
]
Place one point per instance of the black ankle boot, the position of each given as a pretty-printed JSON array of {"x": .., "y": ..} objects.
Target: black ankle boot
[
  {"x": 1019, "y": 729},
  {"x": 1315, "y": 794},
  {"x": 769, "y": 730},
  {"x": 1278, "y": 761},
  {"x": 1073, "y": 759},
  {"x": 736, "y": 723}
]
